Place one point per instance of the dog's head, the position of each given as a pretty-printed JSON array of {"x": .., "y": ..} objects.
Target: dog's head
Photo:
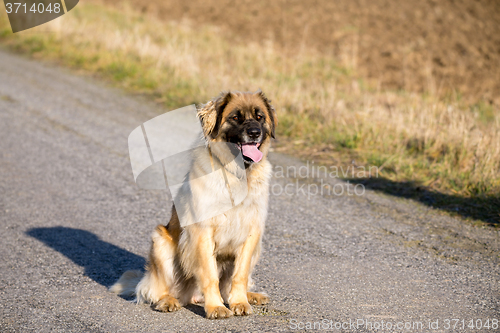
[{"x": 246, "y": 119}]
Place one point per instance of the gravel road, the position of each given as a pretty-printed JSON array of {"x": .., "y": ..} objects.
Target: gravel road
[{"x": 72, "y": 220}]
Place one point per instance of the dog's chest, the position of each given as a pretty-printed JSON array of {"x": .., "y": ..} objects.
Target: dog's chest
[{"x": 235, "y": 226}]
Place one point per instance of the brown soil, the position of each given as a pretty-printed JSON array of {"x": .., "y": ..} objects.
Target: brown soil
[{"x": 437, "y": 46}]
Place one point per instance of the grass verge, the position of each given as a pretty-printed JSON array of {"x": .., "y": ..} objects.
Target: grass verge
[{"x": 442, "y": 152}]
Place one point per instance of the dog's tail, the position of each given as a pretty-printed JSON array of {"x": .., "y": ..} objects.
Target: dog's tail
[{"x": 127, "y": 283}]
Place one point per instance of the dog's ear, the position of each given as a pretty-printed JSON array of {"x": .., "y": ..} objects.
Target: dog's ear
[
  {"x": 210, "y": 114},
  {"x": 271, "y": 111}
]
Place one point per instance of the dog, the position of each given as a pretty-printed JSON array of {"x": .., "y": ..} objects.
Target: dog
[{"x": 211, "y": 261}]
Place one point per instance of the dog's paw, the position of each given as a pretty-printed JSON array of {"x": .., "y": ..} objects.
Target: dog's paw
[
  {"x": 167, "y": 304},
  {"x": 197, "y": 299},
  {"x": 217, "y": 312},
  {"x": 257, "y": 299},
  {"x": 241, "y": 309}
]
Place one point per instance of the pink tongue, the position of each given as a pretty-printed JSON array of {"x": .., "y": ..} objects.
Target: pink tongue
[{"x": 252, "y": 152}]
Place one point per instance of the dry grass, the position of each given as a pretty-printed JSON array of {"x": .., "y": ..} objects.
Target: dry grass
[{"x": 443, "y": 146}]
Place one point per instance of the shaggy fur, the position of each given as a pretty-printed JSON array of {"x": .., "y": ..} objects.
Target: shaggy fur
[{"x": 212, "y": 260}]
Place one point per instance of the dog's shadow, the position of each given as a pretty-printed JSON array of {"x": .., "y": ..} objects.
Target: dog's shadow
[
  {"x": 103, "y": 262},
  {"x": 196, "y": 309}
]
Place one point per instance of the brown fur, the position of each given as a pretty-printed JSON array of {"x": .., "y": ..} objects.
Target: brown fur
[{"x": 213, "y": 259}]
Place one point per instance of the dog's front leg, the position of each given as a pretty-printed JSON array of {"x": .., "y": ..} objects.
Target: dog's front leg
[
  {"x": 238, "y": 301},
  {"x": 208, "y": 276}
]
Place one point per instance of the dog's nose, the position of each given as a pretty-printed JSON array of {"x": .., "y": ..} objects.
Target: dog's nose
[{"x": 253, "y": 132}]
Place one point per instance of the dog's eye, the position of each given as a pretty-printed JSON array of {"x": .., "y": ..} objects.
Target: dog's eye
[
  {"x": 235, "y": 118},
  {"x": 259, "y": 117}
]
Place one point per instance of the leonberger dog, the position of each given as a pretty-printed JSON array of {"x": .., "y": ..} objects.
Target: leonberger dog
[{"x": 211, "y": 261}]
